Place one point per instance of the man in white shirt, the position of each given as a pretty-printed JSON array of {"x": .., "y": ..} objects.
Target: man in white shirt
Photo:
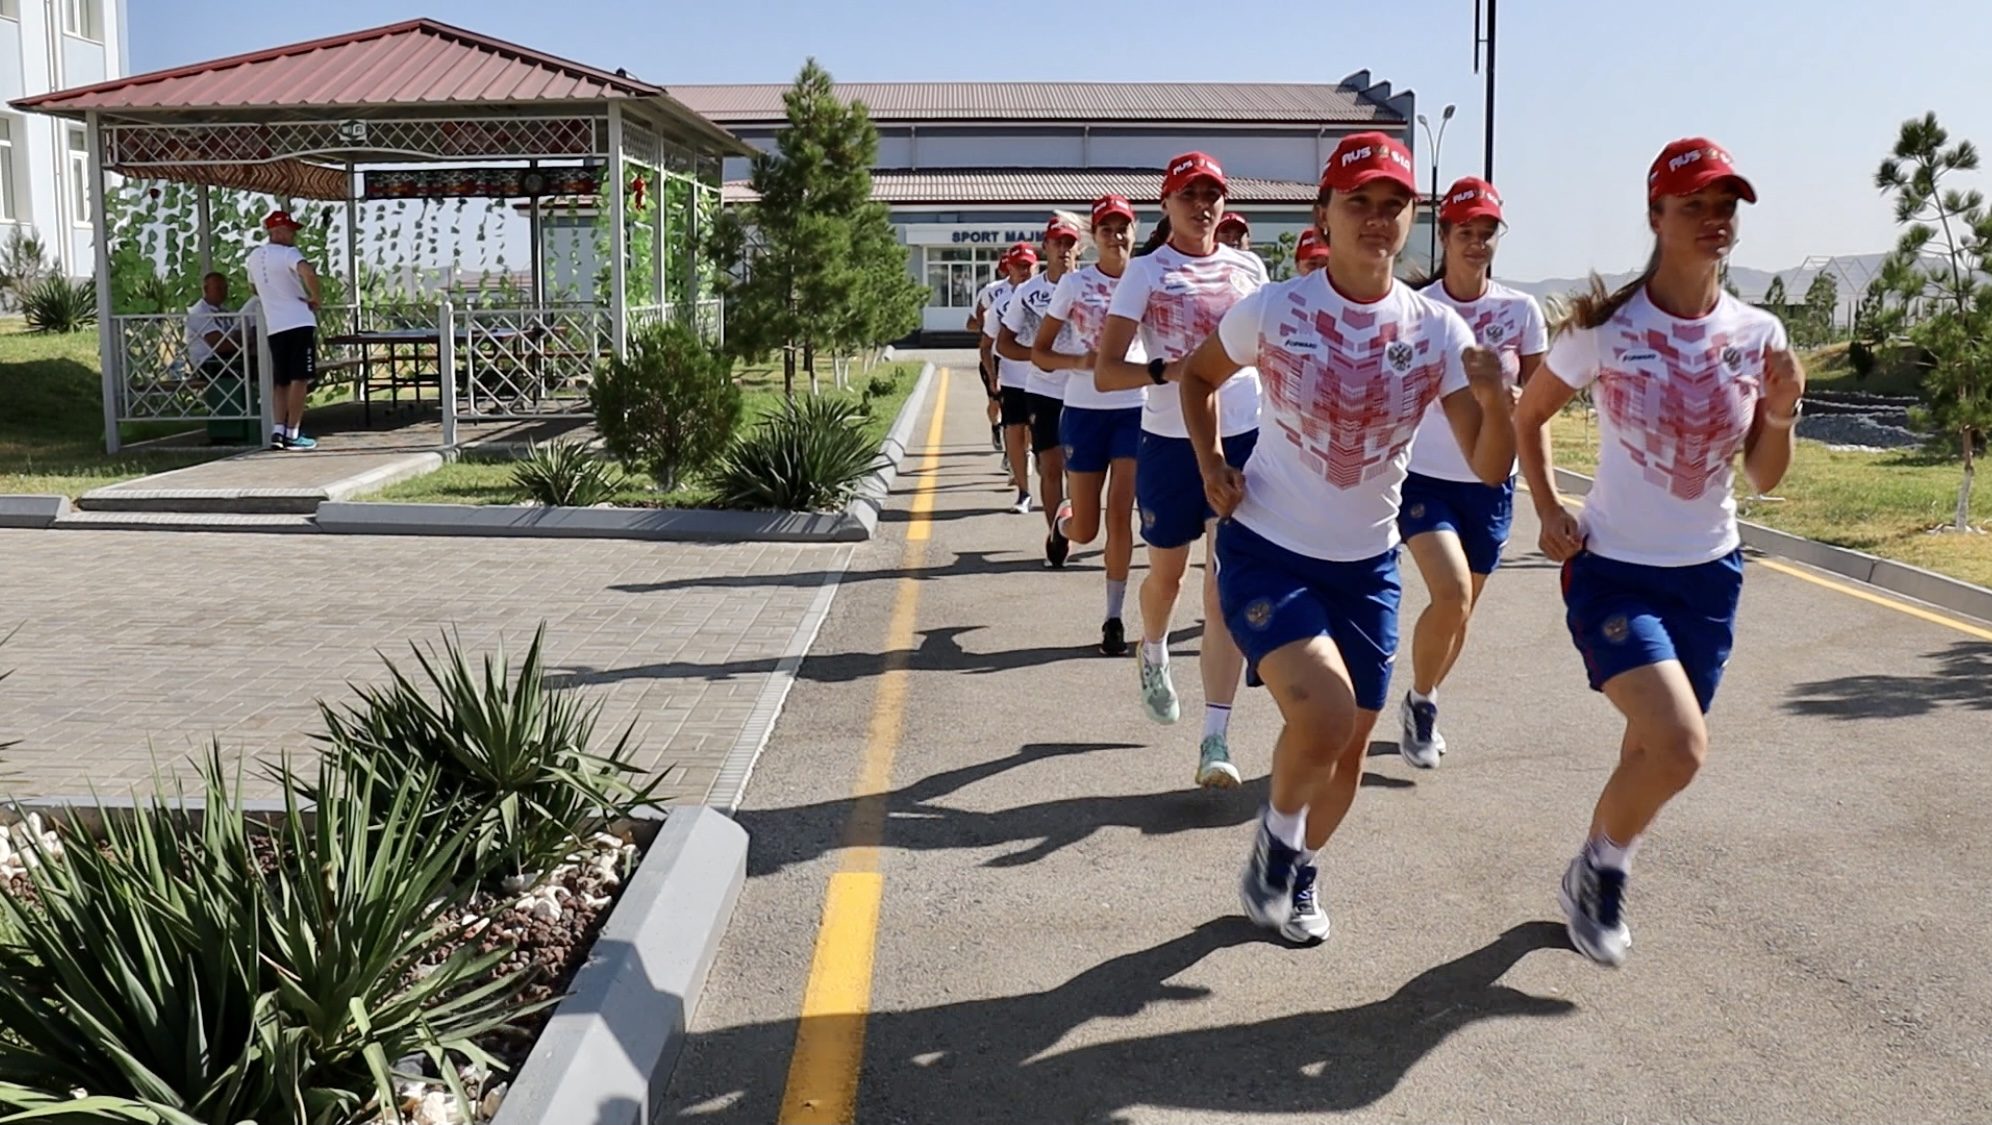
[
  {"x": 287, "y": 286},
  {"x": 214, "y": 334}
]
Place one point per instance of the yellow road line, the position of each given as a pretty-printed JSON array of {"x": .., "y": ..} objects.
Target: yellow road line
[
  {"x": 830, "y": 1038},
  {"x": 1916, "y": 611}
]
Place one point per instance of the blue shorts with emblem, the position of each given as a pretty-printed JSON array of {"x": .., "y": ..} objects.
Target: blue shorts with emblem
[
  {"x": 1272, "y": 596},
  {"x": 1094, "y": 439},
  {"x": 1480, "y": 514},
  {"x": 1169, "y": 490},
  {"x": 1626, "y": 615}
]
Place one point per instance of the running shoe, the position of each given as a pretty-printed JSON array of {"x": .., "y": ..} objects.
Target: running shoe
[
  {"x": 1420, "y": 742},
  {"x": 1593, "y": 900},
  {"x": 1158, "y": 691},
  {"x": 996, "y": 438},
  {"x": 1214, "y": 768},
  {"x": 278, "y": 441},
  {"x": 1266, "y": 891},
  {"x": 1307, "y": 921},
  {"x": 1057, "y": 548},
  {"x": 1023, "y": 507},
  {"x": 299, "y": 443},
  {"x": 1113, "y": 637}
]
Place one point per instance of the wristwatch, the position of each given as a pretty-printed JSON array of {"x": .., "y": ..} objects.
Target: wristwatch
[
  {"x": 1158, "y": 371},
  {"x": 1789, "y": 420}
]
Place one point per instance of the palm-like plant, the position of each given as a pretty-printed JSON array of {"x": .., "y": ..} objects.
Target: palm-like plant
[{"x": 808, "y": 456}]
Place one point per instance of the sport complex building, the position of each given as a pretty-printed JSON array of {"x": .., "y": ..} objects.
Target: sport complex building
[{"x": 970, "y": 167}]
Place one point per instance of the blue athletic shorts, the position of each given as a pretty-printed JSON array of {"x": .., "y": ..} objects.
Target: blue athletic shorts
[
  {"x": 1480, "y": 514},
  {"x": 1272, "y": 596},
  {"x": 1624, "y": 615},
  {"x": 1094, "y": 439},
  {"x": 1168, "y": 487}
]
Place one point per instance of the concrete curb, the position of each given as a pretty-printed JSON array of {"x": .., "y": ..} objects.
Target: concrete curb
[
  {"x": 857, "y": 522},
  {"x": 256, "y": 501},
  {"x": 32, "y": 511},
  {"x": 1887, "y": 574},
  {"x": 607, "y": 1054}
]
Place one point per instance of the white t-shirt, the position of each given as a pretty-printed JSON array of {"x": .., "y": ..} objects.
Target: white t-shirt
[
  {"x": 1178, "y": 300},
  {"x": 273, "y": 272},
  {"x": 203, "y": 318},
  {"x": 1081, "y": 301},
  {"x": 1675, "y": 399},
  {"x": 1505, "y": 321},
  {"x": 1009, "y": 372},
  {"x": 1345, "y": 385},
  {"x": 1025, "y": 313}
]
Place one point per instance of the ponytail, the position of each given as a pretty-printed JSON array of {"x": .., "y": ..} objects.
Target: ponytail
[
  {"x": 1594, "y": 307},
  {"x": 1156, "y": 237}
]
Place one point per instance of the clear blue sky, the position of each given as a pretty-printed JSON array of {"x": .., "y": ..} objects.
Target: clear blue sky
[{"x": 1807, "y": 96}]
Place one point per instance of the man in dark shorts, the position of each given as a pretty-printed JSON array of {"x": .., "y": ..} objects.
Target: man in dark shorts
[{"x": 287, "y": 288}]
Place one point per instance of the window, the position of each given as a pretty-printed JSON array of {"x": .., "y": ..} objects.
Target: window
[
  {"x": 10, "y": 9},
  {"x": 79, "y": 177},
  {"x": 7, "y": 212},
  {"x": 82, "y": 18},
  {"x": 957, "y": 274}
]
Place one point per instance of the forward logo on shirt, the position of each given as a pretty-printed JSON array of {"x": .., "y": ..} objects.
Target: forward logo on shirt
[
  {"x": 1640, "y": 357},
  {"x": 1307, "y": 344},
  {"x": 1399, "y": 354}
]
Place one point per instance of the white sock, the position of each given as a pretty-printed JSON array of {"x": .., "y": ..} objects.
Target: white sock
[
  {"x": 286, "y": 431},
  {"x": 1605, "y": 853},
  {"x": 1306, "y": 857},
  {"x": 1116, "y": 596},
  {"x": 1288, "y": 828},
  {"x": 1217, "y": 718},
  {"x": 1155, "y": 652},
  {"x": 1423, "y": 697}
]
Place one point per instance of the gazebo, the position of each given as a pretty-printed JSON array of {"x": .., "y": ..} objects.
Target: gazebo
[{"x": 413, "y": 110}]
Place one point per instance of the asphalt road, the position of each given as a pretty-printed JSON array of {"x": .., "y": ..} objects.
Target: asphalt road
[{"x": 1057, "y": 937}]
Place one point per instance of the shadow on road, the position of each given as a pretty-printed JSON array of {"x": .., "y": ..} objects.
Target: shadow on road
[
  {"x": 913, "y": 821},
  {"x": 997, "y": 1060},
  {"x": 1962, "y": 678}
]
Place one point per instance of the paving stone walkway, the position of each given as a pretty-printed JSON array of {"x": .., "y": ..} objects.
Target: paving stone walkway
[{"x": 137, "y": 647}]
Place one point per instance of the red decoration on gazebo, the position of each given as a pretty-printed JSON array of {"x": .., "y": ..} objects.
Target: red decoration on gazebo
[{"x": 637, "y": 189}]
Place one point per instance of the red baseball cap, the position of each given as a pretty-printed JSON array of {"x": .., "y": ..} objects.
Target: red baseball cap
[
  {"x": 1108, "y": 205},
  {"x": 1310, "y": 246},
  {"x": 1060, "y": 228},
  {"x": 1691, "y": 164},
  {"x": 1021, "y": 252},
  {"x": 1233, "y": 219},
  {"x": 1362, "y": 157},
  {"x": 1470, "y": 198},
  {"x": 277, "y": 219},
  {"x": 1190, "y": 167}
]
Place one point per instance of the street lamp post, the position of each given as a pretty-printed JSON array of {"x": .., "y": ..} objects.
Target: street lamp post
[{"x": 1432, "y": 252}]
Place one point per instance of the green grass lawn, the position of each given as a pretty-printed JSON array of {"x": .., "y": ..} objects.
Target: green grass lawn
[
  {"x": 1881, "y": 503},
  {"x": 472, "y": 481},
  {"x": 52, "y": 419},
  {"x": 1829, "y": 369}
]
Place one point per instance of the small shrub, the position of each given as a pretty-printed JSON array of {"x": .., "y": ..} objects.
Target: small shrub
[
  {"x": 23, "y": 264},
  {"x": 808, "y": 456},
  {"x": 511, "y": 755},
  {"x": 565, "y": 474},
  {"x": 881, "y": 385},
  {"x": 670, "y": 408},
  {"x": 59, "y": 305}
]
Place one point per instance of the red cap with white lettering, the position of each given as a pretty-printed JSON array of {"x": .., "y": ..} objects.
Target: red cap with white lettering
[
  {"x": 1691, "y": 164},
  {"x": 1059, "y": 228},
  {"x": 1234, "y": 219},
  {"x": 1310, "y": 246},
  {"x": 1362, "y": 157},
  {"x": 1109, "y": 205},
  {"x": 1188, "y": 169},
  {"x": 1022, "y": 252},
  {"x": 1470, "y": 198}
]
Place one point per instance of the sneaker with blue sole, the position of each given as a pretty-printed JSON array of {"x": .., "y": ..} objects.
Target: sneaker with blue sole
[
  {"x": 1214, "y": 768},
  {"x": 1266, "y": 891},
  {"x": 1158, "y": 691},
  {"x": 300, "y": 443},
  {"x": 1307, "y": 920},
  {"x": 1593, "y": 901}
]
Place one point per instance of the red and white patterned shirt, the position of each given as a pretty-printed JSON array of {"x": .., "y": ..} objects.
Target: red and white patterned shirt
[
  {"x": 1178, "y": 300},
  {"x": 1345, "y": 384},
  {"x": 1081, "y": 301},
  {"x": 1675, "y": 400},
  {"x": 1507, "y": 322}
]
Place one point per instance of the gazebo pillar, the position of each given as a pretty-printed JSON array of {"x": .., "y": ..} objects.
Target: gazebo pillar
[
  {"x": 204, "y": 219},
  {"x": 353, "y": 248},
  {"x": 618, "y": 237},
  {"x": 107, "y": 358}
]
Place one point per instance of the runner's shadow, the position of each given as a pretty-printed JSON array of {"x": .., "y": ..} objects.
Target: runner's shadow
[
  {"x": 998, "y": 1060},
  {"x": 965, "y": 563},
  {"x": 1962, "y": 677}
]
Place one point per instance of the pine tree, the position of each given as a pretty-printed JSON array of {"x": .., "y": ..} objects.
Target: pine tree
[
  {"x": 1822, "y": 301},
  {"x": 1941, "y": 264},
  {"x": 1774, "y": 295}
]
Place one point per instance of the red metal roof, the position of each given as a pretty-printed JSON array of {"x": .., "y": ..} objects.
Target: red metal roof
[
  {"x": 1313, "y": 103},
  {"x": 1043, "y": 187},
  {"x": 416, "y": 62}
]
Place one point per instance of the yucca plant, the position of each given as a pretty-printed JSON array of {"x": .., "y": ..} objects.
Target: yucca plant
[
  {"x": 566, "y": 474},
  {"x": 510, "y": 752},
  {"x": 172, "y": 978},
  {"x": 57, "y": 304},
  {"x": 808, "y": 456}
]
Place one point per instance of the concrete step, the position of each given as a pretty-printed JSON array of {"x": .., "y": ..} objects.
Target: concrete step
[
  {"x": 81, "y": 520},
  {"x": 214, "y": 501}
]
